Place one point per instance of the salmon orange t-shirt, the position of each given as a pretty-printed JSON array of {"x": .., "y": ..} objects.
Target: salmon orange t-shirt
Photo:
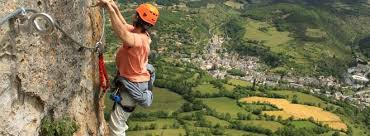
[{"x": 131, "y": 61}]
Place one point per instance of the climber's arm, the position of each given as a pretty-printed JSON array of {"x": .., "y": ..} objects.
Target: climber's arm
[
  {"x": 120, "y": 29},
  {"x": 118, "y": 12}
]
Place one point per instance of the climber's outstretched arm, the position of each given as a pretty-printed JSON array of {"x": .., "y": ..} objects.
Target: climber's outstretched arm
[
  {"x": 118, "y": 12},
  {"x": 120, "y": 29}
]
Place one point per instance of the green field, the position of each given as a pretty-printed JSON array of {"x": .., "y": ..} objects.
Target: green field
[
  {"x": 233, "y": 4},
  {"x": 187, "y": 113},
  {"x": 330, "y": 133},
  {"x": 303, "y": 124},
  {"x": 229, "y": 88},
  {"x": 272, "y": 125},
  {"x": 159, "y": 132},
  {"x": 316, "y": 33},
  {"x": 160, "y": 123},
  {"x": 302, "y": 97},
  {"x": 233, "y": 132},
  {"x": 214, "y": 121},
  {"x": 164, "y": 100},
  {"x": 358, "y": 130},
  {"x": 272, "y": 37},
  {"x": 206, "y": 88},
  {"x": 239, "y": 82},
  {"x": 223, "y": 105}
]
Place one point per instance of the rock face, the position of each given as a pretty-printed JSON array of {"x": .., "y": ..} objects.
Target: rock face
[{"x": 49, "y": 75}]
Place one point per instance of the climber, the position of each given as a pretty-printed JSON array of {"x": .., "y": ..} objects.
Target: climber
[{"x": 135, "y": 76}]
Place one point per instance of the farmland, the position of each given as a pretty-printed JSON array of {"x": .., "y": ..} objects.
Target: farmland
[{"x": 300, "y": 111}]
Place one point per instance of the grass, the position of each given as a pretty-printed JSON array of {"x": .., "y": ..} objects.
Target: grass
[
  {"x": 302, "y": 97},
  {"x": 206, "y": 88},
  {"x": 161, "y": 132},
  {"x": 233, "y": 132},
  {"x": 330, "y": 133},
  {"x": 357, "y": 129},
  {"x": 237, "y": 82},
  {"x": 229, "y": 88},
  {"x": 235, "y": 5},
  {"x": 182, "y": 114},
  {"x": 223, "y": 105},
  {"x": 272, "y": 37},
  {"x": 303, "y": 54},
  {"x": 164, "y": 100},
  {"x": 216, "y": 20},
  {"x": 215, "y": 121},
  {"x": 300, "y": 111},
  {"x": 315, "y": 33},
  {"x": 271, "y": 125},
  {"x": 303, "y": 124},
  {"x": 160, "y": 123}
]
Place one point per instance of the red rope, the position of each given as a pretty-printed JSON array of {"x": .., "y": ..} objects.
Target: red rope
[{"x": 104, "y": 81}]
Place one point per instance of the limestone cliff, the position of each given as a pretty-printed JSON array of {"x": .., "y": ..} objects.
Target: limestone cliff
[{"x": 49, "y": 75}]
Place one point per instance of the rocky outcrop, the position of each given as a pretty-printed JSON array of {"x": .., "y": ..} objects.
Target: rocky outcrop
[{"x": 49, "y": 75}]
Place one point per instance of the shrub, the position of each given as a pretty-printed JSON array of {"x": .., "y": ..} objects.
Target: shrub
[{"x": 60, "y": 127}]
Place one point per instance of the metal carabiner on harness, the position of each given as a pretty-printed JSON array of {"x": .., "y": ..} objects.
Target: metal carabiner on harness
[{"x": 115, "y": 96}]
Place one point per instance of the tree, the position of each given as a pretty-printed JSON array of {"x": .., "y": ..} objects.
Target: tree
[
  {"x": 153, "y": 126},
  {"x": 279, "y": 118},
  {"x": 257, "y": 111},
  {"x": 295, "y": 99},
  {"x": 366, "y": 118},
  {"x": 236, "y": 72},
  {"x": 234, "y": 29},
  {"x": 187, "y": 107},
  {"x": 336, "y": 133},
  {"x": 167, "y": 2},
  {"x": 227, "y": 116},
  {"x": 197, "y": 105},
  {"x": 241, "y": 116},
  {"x": 218, "y": 131},
  {"x": 217, "y": 83},
  {"x": 291, "y": 131}
]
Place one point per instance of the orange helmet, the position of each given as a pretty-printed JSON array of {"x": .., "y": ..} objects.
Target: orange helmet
[{"x": 148, "y": 13}]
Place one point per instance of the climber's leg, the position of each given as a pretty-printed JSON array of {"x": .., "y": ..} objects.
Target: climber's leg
[
  {"x": 120, "y": 115},
  {"x": 117, "y": 123}
]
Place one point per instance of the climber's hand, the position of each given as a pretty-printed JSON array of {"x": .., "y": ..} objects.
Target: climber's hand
[{"x": 103, "y": 3}]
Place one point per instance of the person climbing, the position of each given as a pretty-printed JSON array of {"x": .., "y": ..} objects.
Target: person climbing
[{"x": 135, "y": 77}]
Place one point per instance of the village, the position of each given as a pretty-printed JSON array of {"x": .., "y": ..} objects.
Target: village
[{"x": 217, "y": 64}]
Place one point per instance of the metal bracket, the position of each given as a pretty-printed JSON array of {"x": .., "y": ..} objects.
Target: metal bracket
[
  {"x": 46, "y": 17},
  {"x": 99, "y": 48}
]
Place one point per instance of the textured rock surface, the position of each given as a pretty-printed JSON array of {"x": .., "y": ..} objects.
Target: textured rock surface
[{"x": 47, "y": 75}]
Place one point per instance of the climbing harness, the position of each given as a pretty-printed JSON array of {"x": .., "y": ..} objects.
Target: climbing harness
[
  {"x": 115, "y": 96},
  {"x": 21, "y": 13}
]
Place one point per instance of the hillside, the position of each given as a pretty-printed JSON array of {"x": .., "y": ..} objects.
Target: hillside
[
  {"x": 207, "y": 54},
  {"x": 195, "y": 103}
]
